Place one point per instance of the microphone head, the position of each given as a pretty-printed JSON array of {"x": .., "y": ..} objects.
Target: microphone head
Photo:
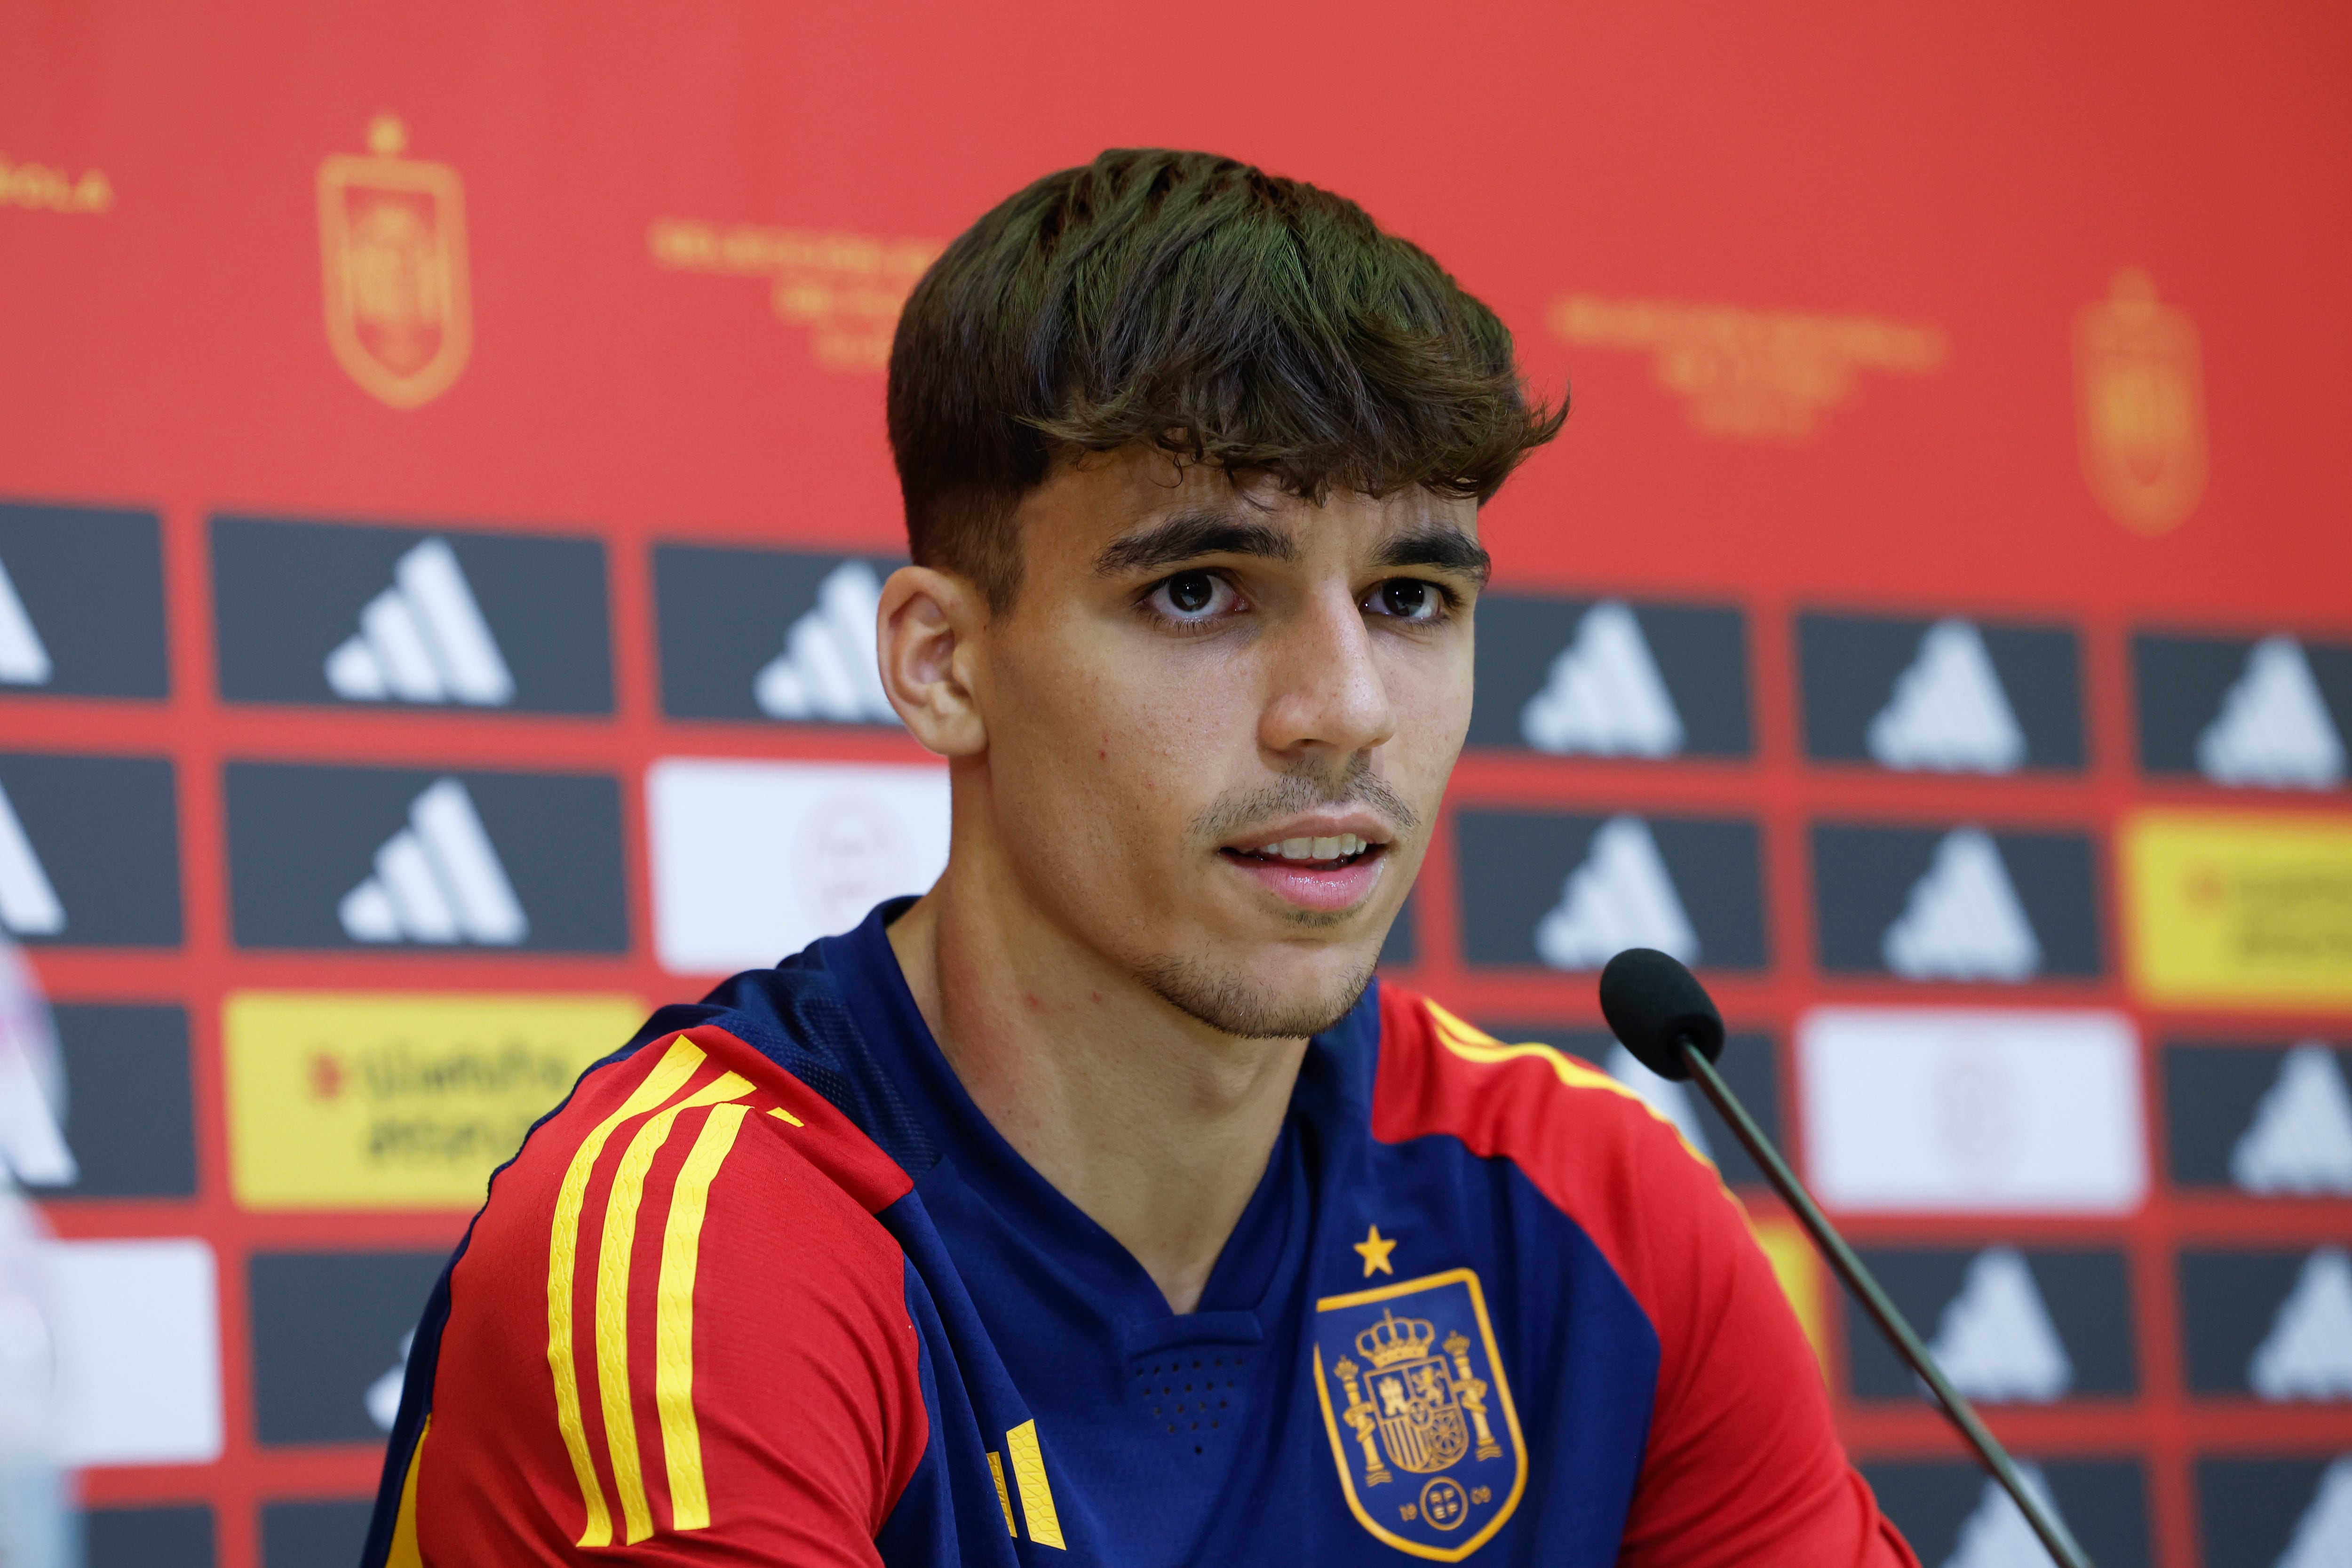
[{"x": 1653, "y": 1005}]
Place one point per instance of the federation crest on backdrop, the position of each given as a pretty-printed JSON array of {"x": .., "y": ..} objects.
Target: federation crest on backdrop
[
  {"x": 1418, "y": 1413},
  {"x": 391, "y": 243},
  {"x": 2142, "y": 401}
]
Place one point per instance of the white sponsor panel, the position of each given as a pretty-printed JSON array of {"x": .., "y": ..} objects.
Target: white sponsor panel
[
  {"x": 1963, "y": 919},
  {"x": 422, "y": 640},
  {"x": 29, "y": 904},
  {"x": 23, "y": 661},
  {"x": 2307, "y": 1354},
  {"x": 829, "y": 670},
  {"x": 1621, "y": 897},
  {"x": 437, "y": 880},
  {"x": 754, "y": 860},
  {"x": 1604, "y": 696},
  {"x": 1973, "y": 1110},
  {"x": 1995, "y": 1340},
  {"x": 2323, "y": 1536},
  {"x": 2300, "y": 1140},
  {"x": 1949, "y": 713},
  {"x": 137, "y": 1350},
  {"x": 2274, "y": 729},
  {"x": 1996, "y": 1535}
]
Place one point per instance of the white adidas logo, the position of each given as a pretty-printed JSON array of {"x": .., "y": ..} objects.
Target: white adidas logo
[
  {"x": 436, "y": 881},
  {"x": 1996, "y": 1535},
  {"x": 1604, "y": 696},
  {"x": 2323, "y": 1537},
  {"x": 422, "y": 640},
  {"x": 1995, "y": 1340},
  {"x": 382, "y": 1396},
  {"x": 1621, "y": 897},
  {"x": 2300, "y": 1140},
  {"x": 28, "y": 905},
  {"x": 2307, "y": 1354},
  {"x": 1949, "y": 714},
  {"x": 23, "y": 661},
  {"x": 1663, "y": 1095},
  {"x": 829, "y": 670},
  {"x": 1963, "y": 919},
  {"x": 2274, "y": 729}
]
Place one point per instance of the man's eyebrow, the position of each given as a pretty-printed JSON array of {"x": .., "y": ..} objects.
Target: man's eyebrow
[
  {"x": 1441, "y": 545},
  {"x": 1188, "y": 536}
]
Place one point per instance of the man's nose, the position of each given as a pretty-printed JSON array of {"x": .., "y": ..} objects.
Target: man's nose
[{"x": 1327, "y": 691}]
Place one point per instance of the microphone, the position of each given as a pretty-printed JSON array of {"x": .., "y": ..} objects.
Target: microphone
[{"x": 1663, "y": 1015}]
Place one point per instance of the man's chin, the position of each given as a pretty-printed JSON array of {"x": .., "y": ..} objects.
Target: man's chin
[{"x": 1233, "y": 999}]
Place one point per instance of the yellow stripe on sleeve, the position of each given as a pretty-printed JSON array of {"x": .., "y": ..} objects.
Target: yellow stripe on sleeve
[
  {"x": 619, "y": 1240},
  {"x": 1029, "y": 1477},
  {"x": 405, "y": 1553},
  {"x": 1473, "y": 1044},
  {"x": 1004, "y": 1494},
  {"x": 689, "y": 1501},
  {"x": 675, "y": 1067}
]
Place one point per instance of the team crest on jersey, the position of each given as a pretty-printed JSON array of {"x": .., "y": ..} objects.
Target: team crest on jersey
[{"x": 1420, "y": 1414}]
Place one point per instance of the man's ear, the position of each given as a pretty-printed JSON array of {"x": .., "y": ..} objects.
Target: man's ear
[{"x": 927, "y": 633}]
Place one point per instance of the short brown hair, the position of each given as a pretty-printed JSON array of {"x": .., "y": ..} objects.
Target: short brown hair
[{"x": 1223, "y": 314}]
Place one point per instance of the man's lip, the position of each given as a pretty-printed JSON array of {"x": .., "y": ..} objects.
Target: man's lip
[{"x": 1331, "y": 823}]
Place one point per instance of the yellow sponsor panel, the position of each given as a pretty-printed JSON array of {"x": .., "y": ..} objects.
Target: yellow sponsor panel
[
  {"x": 2236, "y": 910},
  {"x": 1799, "y": 1268},
  {"x": 401, "y": 1101}
]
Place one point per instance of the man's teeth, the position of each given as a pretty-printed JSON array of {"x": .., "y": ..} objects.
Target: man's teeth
[{"x": 1338, "y": 848}]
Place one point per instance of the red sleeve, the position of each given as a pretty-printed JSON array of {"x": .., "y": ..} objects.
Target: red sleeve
[
  {"x": 678, "y": 1335},
  {"x": 1743, "y": 1466}
]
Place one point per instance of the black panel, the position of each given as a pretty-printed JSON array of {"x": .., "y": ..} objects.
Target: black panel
[
  {"x": 2230, "y": 1303},
  {"x": 130, "y": 1119},
  {"x": 2180, "y": 683},
  {"x": 2104, "y": 1503},
  {"x": 726, "y": 615},
  {"x": 1514, "y": 866},
  {"x": 105, "y": 833},
  {"x": 1700, "y": 652},
  {"x": 1849, "y": 665},
  {"x": 92, "y": 583},
  {"x": 1863, "y": 879},
  {"x": 2249, "y": 1511},
  {"x": 180, "y": 1536},
  {"x": 2085, "y": 1293},
  {"x": 314, "y": 1534},
  {"x": 2210, "y": 1095},
  {"x": 327, "y": 1327}
]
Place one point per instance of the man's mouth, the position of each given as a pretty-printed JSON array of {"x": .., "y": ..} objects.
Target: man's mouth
[
  {"x": 1310, "y": 854},
  {"x": 1327, "y": 874}
]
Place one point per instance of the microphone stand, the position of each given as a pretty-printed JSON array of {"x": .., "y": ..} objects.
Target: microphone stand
[{"x": 1884, "y": 1312}]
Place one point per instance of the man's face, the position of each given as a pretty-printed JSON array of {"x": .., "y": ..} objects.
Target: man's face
[{"x": 1219, "y": 721}]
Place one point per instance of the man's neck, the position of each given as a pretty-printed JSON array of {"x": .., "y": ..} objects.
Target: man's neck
[{"x": 1154, "y": 1124}]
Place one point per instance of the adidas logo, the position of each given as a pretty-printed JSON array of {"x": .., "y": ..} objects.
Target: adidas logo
[
  {"x": 382, "y": 1396},
  {"x": 1996, "y": 1340},
  {"x": 22, "y": 660},
  {"x": 32, "y": 1146},
  {"x": 1663, "y": 1095},
  {"x": 1996, "y": 1535},
  {"x": 2323, "y": 1537},
  {"x": 1604, "y": 696},
  {"x": 436, "y": 881},
  {"x": 829, "y": 670},
  {"x": 1621, "y": 897},
  {"x": 28, "y": 905},
  {"x": 2274, "y": 729},
  {"x": 422, "y": 640},
  {"x": 2307, "y": 1354},
  {"x": 1963, "y": 919},
  {"x": 2300, "y": 1140},
  {"x": 1949, "y": 713}
]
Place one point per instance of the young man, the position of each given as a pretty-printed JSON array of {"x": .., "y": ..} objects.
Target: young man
[{"x": 1096, "y": 1206}]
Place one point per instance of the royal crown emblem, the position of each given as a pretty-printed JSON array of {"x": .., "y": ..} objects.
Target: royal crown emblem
[
  {"x": 2142, "y": 405},
  {"x": 1414, "y": 1399},
  {"x": 391, "y": 241}
]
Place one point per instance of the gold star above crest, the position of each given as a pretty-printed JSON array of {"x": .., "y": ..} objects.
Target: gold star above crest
[{"x": 1376, "y": 1249}]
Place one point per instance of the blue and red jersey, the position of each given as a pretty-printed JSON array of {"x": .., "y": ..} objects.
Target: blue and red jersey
[{"x": 769, "y": 1289}]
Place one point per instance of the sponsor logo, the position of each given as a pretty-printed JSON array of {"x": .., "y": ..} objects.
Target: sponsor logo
[
  {"x": 2011, "y": 1324},
  {"x": 1610, "y": 678},
  {"x": 1955, "y": 1516},
  {"x": 2267, "y": 713},
  {"x": 392, "y": 244},
  {"x": 1746, "y": 375},
  {"x": 327, "y": 1326},
  {"x": 127, "y": 1108},
  {"x": 752, "y": 861},
  {"x": 2250, "y": 911},
  {"x": 1944, "y": 696},
  {"x": 1996, "y": 1535},
  {"x": 1957, "y": 904},
  {"x": 90, "y": 850},
  {"x": 137, "y": 1341},
  {"x": 2298, "y": 1140},
  {"x": 1418, "y": 1414},
  {"x": 1973, "y": 1110},
  {"x": 2307, "y": 1354},
  {"x": 846, "y": 289},
  {"x": 336, "y": 613},
  {"x": 1569, "y": 891},
  {"x": 769, "y": 634},
  {"x": 2276, "y": 1513},
  {"x": 334, "y": 856},
  {"x": 2274, "y": 1324},
  {"x": 2140, "y": 395},
  {"x": 398, "y": 1100},
  {"x": 38, "y": 187},
  {"x": 81, "y": 603}
]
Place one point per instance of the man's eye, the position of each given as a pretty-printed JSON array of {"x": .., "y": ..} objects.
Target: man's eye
[
  {"x": 1192, "y": 595},
  {"x": 1407, "y": 599}
]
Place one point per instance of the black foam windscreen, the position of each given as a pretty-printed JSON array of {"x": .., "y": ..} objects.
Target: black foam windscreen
[{"x": 1653, "y": 1005}]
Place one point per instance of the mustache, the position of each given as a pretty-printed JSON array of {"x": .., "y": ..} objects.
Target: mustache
[{"x": 1304, "y": 791}]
